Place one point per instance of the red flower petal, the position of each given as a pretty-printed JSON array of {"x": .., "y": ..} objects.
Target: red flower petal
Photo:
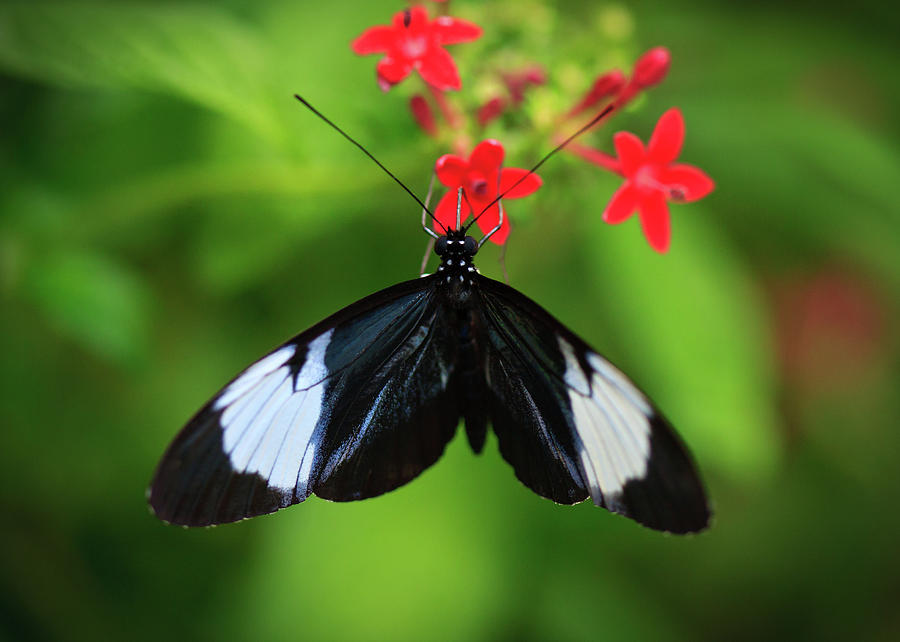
[
  {"x": 622, "y": 204},
  {"x": 654, "y": 215},
  {"x": 451, "y": 170},
  {"x": 488, "y": 221},
  {"x": 691, "y": 182},
  {"x": 487, "y": 156},
  {"x": 509, "y": 176},
  {"x": 665, "y": 144},
  {"x": 438, "y": 69},
  {"x": 449, "y": 31},
  {"x": 445, "y": 213},
  {"x": 392, "y": 70},
  {"x": 595, "y": 156},
  {"x": 374, "y": 40},
  {"x": 630, "y": 150}
]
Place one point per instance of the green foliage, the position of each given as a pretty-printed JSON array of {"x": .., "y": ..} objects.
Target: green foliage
[
  {"x": 168, "y": 213},
  {"x": 94, "y": 300},
  {"x": 191, "y": 51}
]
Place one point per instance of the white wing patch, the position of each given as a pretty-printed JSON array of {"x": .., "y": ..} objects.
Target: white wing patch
[
  {"x": 252, "y": 376},
  {"x": 268, "y": 418},
  {"x": 612, "y": 419}
]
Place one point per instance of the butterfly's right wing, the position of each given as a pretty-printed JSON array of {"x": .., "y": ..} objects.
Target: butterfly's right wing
[
  {"x": 355, "y": 406},
  {"x": 572, "y": 425}
]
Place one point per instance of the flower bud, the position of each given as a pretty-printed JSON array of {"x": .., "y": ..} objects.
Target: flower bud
[
  {"x": 421, "y": 111},
  {"x": 651, "y": 68},
  {"x": 535, "y": 75},
  {"x": 517, "y": 82},
  {"x": 608, "y": 84},
  {"x": 490, "y": 110}
]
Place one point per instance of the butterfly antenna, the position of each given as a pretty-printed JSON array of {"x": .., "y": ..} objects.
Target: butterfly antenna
[
  {"x": 596, "y": 119},
  {"x": 367, "y": 153}
]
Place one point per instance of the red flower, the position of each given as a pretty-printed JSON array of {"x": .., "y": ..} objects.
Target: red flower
[
  {"x": 478, "y": 176},
  {"x": 414, "y": 42},
  {"x": 652, "y": 179}
]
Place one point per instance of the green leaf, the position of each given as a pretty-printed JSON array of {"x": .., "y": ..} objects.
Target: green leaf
[
  {"x": 195, "y": 52},
  {"x": 691, "y": 321},
  {"x": 93, "y": 300}
]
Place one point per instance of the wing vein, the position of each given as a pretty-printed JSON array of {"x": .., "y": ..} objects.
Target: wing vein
[{"x": 340, "y": 422}]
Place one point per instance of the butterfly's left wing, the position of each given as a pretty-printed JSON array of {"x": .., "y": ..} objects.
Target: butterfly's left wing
[
  {"x": 354, "y": 407},
  {"x": 572, "y": 425}
]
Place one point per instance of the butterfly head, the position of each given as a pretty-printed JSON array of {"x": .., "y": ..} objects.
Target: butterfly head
[{"x": 456, "y": 251}]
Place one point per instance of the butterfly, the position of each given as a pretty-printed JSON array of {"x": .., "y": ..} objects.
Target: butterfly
[{"x": 366, "y": 400}]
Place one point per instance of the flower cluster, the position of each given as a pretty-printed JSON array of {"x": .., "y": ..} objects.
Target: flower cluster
[{"x": 415, "y": 42}]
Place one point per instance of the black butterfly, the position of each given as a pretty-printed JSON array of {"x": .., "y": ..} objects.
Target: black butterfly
[{"x": 366, "y": 400}]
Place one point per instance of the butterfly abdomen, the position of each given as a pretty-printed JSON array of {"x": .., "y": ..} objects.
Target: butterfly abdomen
[{"x": 473, "y": 401}]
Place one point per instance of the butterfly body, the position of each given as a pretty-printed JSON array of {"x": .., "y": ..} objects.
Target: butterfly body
[
  {"x": 366, "y": 400},
  {"x": 455, "y": 282}
]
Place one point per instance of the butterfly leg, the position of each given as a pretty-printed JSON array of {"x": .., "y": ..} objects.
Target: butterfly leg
[
  {"x": 430, "y": 232},
  {"x": 430, "y": 245},
  {"x": 502, "y": 260},
  {"x": 496, "y": 229}
]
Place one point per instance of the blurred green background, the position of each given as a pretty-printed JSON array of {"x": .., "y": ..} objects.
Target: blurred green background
[{"x": 168, "y": 213}]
